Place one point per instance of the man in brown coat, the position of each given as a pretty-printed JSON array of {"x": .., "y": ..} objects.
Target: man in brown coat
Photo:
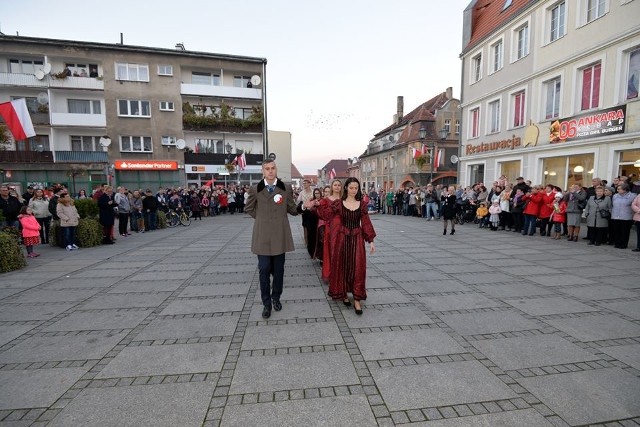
[{"x": 268, "y": 203}]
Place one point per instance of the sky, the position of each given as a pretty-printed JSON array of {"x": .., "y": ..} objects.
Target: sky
[{"x": 335, "y": 68}]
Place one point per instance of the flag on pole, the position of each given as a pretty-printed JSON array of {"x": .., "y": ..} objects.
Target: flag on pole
[
  {"x": 332, "y": 173},
  {"x": 438, "y": 158},
  {"x": 16, "y": 116},
  {"x": 416, "y": 153},
  {"x": 241, "y": 160}
]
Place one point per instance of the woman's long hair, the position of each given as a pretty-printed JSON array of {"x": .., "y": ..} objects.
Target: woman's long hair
[{"x": 346, "y": 185}]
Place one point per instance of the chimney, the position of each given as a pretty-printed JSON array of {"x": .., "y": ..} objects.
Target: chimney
[
  {"x": 400, "y": 113},
  {"x": 449, "y": 92}
]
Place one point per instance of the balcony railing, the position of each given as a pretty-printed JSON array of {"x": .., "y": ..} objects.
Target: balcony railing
[
  {"x": 30, "y": 80},
  {"x": 36, "y": 119},
  {"x": 7, "y": 156},
  {"x": 82, "y": 157},
  {"x": 219, "y": 158},
  {"x": 209, "y": 123},
  {"x": 220, "y": 91}
]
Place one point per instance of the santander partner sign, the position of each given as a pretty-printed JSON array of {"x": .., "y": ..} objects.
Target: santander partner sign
[{"x": 146, "y": 165}]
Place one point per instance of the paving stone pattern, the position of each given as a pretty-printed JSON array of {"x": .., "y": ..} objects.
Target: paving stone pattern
[{"x": 477, "y": 329}]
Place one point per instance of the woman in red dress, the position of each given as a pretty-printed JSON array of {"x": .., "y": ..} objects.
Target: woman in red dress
[
  {"x": 330, "y": 231},
  {"x": 319, "y": 250},
  {"x": 350, "y": 228}
]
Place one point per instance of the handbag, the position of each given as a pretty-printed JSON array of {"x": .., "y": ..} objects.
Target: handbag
[{"x": 605, "y": 214}]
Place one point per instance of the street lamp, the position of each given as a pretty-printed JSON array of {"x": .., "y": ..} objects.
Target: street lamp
[{"x": 422, "y": 133}]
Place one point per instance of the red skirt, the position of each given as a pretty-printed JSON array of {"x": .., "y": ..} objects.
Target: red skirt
[{"x": 31, "y": 241}]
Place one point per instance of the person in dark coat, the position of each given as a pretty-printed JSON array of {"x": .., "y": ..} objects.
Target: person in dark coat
[
  {"x": 268, "y": 203},
  {"x": 10, "y": 206},
  {"x": 448, "y": 208},
  {"x": 150, "y": 210},
  {"x": 107, "y": 215},
  {"x": 195, "y": 204}
]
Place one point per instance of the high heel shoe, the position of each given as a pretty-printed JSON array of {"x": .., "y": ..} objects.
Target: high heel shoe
[
  {"x": 358, "y": 310},
  {"x": 452, "y": 232},
  {"x": 444, "y": 233},
  {"x": 346, "y": 302}
]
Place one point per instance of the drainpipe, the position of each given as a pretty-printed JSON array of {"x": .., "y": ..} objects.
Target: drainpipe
[{"x": 265, "y": 128}]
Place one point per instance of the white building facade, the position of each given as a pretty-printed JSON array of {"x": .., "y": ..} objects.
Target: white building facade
[{"x": 550, "y": 91}]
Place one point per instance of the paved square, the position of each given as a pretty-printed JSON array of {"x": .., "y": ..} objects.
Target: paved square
[
  {"x": 458, "y": 302},
  {"x": 174, "y": 359},
  {"x": 293, "y": 371},
  {"x": 281, "y": 336},
  {"x": 520, "y": 418},
  {"x": 550, "y": 305},
  {"x": 440, "y": 384},
  {"x": 594, "y": 328},
  {"x": 330, "y": 411},
  {"x": 38, "y": 388},
  {"x": 199, "y": 327},
  {"x": 307, "y": 310},
  {"x": 385, "y": 316},
  {"x": 488, "y": 322},
  {"x": 529, "y": 352},
  {"x": 165, "y": 405},
  {"x": 100, "y": 319},
  {"x": 209, "y": 305},
  {"x": 399, "y": 344},
  {"x": 590, "y": 396}
]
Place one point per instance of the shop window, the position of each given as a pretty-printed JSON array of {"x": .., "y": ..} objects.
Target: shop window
[
  {"x": 629, "y": 163},
  {"x": 476, "y": 173},
  {"x": 565, "y": 171},
  {"x": 510, "y": 169}
]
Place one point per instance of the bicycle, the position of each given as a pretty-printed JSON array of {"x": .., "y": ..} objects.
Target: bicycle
[{"x": 179, "y": 216}]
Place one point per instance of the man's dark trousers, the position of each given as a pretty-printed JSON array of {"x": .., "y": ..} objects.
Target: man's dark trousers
[{"x": 271, "y": 265}]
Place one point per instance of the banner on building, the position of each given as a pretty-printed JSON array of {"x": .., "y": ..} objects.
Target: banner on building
[
  {"x": 593, "y": 124},
  {"x": 146, "y": 165}
]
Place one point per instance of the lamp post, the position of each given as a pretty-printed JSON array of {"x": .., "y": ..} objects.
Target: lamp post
[{"x": 422, "y": 133}]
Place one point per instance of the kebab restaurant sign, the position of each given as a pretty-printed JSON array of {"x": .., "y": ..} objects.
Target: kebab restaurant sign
[
  {"x": 146, "y": 165},
  {"x": 590, "y": 125}
]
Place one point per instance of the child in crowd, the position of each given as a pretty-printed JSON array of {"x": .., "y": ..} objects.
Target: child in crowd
[
  {"x": 482, "y": 213},
  {"x": 495, "y": 212},
  {"x": 30, "y": 230},
  {"x": 559, "y": 216}
]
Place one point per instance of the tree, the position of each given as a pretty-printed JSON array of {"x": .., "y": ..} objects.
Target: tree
[
  {"x": 73, "y": 171},
  {"x": 5, "y": 139}
]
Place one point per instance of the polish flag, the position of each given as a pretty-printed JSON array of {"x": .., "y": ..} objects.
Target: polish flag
[
  {"x": 425, "y": 149},
  {"x": 241, "y": 160},
  {"x": 16, "y": 116},
  {"x": 416, "y": 153},
  {"x": 332, "y": 173},
  {"x": 438, "y": 159}
]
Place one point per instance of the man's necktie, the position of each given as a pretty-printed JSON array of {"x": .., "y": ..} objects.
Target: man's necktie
[{"x": 270, "y": 188}]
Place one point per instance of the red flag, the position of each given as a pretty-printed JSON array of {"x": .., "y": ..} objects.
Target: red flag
[
  {"x": 438, "y": 159},
  {"x": 332, "y": 174},
  {"x": 16, "y": 116},
  {"x": 208, "y": 183}
]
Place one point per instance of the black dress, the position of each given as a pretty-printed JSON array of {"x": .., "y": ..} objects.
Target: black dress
[{"x": 448, "y": 206}]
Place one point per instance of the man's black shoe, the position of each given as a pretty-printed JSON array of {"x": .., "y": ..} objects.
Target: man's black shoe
[
  {"x": 277, "y": 305},
  {"x": 266, "y": 313}
]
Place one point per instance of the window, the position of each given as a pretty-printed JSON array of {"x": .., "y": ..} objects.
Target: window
[
  {"x": 457, "y": 127},
  {"x": 476, "y": 68},
  {"x": 35, "y": 143},
  {"x": 32, "y": 103},
  {"x": 552, "y": 101},
  {"x": 84, "y": 106},
  {"x": 633, "y": 74},
  {"x": 522, "y": 41},
  {"x": 85, "y": 143},
  {"x": 518, "y": 109},
  {"x": 198, "y": 78},
  {"x": 168, "y": 140},
  {"x": 165, "y": 70},
  {"x": 474, "y": 130},
  {"x": 82, "y": 69},
  {"x": 476, "y": 173},
  {"x": 496, "y": 56},
  {"x": 447, "y": 125},
  {"x": 132, "y": 72},
  {"x": 136, "y": 144},
  {"x": 564, "y": 171},
  {"x": 558, "y": 24},
  {"x": 494, "y": 116},
  {"x": 241, "y": 81},
  {"x": 595, "y": 9},
  {"x": 243, "y": 113},
  {"x": 166, "y": 106},
  {"x": 24, "y": 66},
  {"x": 590, "y": 87},
  {"x": 133, "y": 108},
  {"x": 510, "y": 169},
  {"x": 507, "y": 3}
]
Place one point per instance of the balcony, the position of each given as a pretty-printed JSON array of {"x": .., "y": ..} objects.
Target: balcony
[
  {"x": 194, "y": 122},
  {"x": 219, "y": 158},
  {"x": 7, "y": 156},
  {"x": 30, "y": 80},
  {"x": 73, "y": 119},
  {"x": 36, "y": 119},
  {"x": 82, "y": 157},
  {"x": 220, "y": 91}
]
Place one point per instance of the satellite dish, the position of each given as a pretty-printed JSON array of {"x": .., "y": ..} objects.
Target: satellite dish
[
  {"x": 47, "y": 68},
  {"x": 255, "y": 80},
  {"x": 105, "y": 141},
  {"x": 43, "y": 98},
  {"x": 272, "y": 156},
  {"x": 39, "y": 74},
  {"x": 454, "y": 159},
  {"x": 180, "y": 144}
]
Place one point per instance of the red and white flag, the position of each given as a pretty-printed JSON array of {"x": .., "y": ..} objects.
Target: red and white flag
[
  {"x": 16, "y": 116},
  {"x": 332, "y": 173},
  {"x": 438, "y": 159},
  {"x": 241, "y": 160}
]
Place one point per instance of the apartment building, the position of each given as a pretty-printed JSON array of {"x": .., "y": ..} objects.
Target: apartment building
[
  {"x": 417, "y": 148},
  {"x": 550, "y": 90},
  {"x": 131, "y": 115}
]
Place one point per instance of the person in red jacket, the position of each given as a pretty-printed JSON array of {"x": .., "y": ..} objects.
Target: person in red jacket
[
  {"x": 546, "y": 209},
  {"x": 532, "y": 201},
  {"x": 559, "y": 216},
  {"x": 30, "y": 230}
]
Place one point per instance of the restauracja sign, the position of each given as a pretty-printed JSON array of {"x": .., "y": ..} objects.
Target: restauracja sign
[
  {"x": 505, "y": 144},
  {"x": 589, "y": 125}
]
